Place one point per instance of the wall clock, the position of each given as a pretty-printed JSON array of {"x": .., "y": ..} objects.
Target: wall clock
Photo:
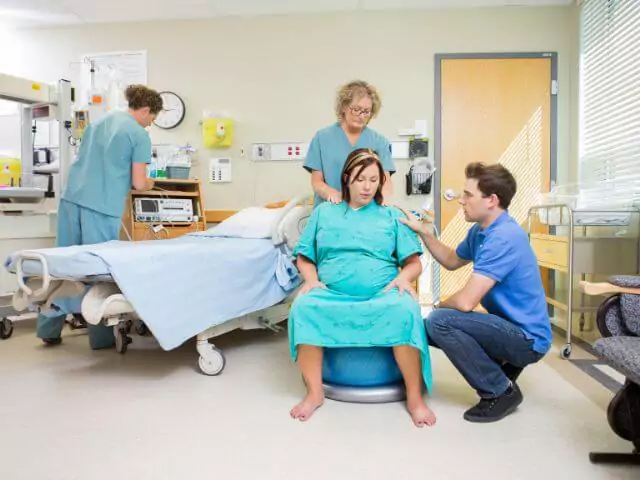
[{"x": 173, "y": 111}]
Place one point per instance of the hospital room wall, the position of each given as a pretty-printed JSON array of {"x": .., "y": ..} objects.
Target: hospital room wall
[{"x": 277, "y": 76}]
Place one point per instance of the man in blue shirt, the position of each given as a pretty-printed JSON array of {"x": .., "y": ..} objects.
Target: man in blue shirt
[{"x": 490, "y": 349}]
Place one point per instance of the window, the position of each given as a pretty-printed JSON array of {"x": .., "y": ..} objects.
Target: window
[
  {"x": 609, "y": 147},
  {"x": 8, "y": 109}
]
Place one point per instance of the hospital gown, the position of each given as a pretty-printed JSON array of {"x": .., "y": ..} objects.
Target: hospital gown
[{"x": 357, "y": 254}]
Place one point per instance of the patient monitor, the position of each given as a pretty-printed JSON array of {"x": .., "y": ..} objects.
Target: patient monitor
[{"x": 169, "y": 210}]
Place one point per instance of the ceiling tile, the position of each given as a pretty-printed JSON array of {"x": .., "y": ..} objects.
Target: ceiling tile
[
  {"x": 427, "y": 4},
  {"x": 26, "y": 13},
  {"x": 56, "y": 6},
  {"x": 47, "y": 12},
  {"x": 141, "y": 10},
  {"x": 277, "y": 7}
]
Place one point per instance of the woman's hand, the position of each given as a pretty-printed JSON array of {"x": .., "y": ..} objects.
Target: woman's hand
[
  {"x": 308, "y": 286},
  {"x": 333, "y": 196},
  {"x": 403, "y": 285}
]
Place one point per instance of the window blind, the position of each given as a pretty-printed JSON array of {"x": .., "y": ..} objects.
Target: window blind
[{"x": 609, "y": 146}]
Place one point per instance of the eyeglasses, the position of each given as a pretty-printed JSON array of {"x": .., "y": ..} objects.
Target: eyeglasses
[{"x": 360, "y": 111}]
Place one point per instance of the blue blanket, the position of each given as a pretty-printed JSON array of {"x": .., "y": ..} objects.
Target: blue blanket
[{"x": 182, "y": 287}]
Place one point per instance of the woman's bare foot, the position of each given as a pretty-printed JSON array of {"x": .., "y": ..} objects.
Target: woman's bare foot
[
  {"x": 306, "y": 407},
  {"x": 420, "y": 414}
]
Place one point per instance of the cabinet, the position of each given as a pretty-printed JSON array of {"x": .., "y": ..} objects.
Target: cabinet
[
  {"x": 572, "y": 243},
  {"x": 159, "y": 230}
]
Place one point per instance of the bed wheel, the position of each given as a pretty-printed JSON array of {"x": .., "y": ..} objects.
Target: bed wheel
[
  {"x": 141, "y": 328},
  {"x": 211, "y": 361},
  {"x": 6, "y": 328},
  {"x": 566, "y": 351},
  {"x": 122, "y": 339}
]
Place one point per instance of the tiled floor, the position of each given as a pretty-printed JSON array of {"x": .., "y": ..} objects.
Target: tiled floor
[{"x": 70, "y": 413}]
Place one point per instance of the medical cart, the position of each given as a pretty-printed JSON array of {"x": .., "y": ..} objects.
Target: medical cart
[{"x": 581, "y": 242}]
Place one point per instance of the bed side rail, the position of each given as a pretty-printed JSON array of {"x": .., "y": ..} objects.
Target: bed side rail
[
  {"x": 279, "y": 229},
  {"x": 46, "y": 277}
]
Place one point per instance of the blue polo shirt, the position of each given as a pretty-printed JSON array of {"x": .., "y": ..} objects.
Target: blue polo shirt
[{"x": 502, "y": 252}]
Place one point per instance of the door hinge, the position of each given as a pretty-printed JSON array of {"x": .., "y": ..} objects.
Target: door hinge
[{"x": 554, "y": 87}]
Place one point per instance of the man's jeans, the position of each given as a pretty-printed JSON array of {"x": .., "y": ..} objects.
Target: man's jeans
[{"x": 477, "y": 344}]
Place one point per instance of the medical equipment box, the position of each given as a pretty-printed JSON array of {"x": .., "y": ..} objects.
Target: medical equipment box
[
  {"x": 178, "y": 172},
  {"x": 169, "y": 210}
]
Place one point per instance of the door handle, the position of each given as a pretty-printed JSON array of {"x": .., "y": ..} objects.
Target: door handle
[{"x": 449, "y": 194}]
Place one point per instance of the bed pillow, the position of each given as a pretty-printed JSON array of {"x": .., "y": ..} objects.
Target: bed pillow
[{"x": 252, "y": 222}]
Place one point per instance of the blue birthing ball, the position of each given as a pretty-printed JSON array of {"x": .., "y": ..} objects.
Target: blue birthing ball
[{"x": 360, "y": 366}]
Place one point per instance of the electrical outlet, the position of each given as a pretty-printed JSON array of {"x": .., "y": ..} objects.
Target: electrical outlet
[
  {"x": 289, "y": 151},
  {"x": 260, "y": 152},
  {"x": 293, "y": 151},
  {"x": 279, "y": 151}
]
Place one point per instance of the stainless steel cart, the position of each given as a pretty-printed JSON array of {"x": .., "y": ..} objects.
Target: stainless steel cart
[{"x": 582, "y": 242}]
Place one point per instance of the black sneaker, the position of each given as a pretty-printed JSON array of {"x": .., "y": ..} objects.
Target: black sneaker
[
  {"x": 511, "y": 371},
  {"x": 494, "y": 409}
]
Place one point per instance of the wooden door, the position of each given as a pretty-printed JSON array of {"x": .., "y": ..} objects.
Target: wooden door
[{"x": 494, "y": 111}]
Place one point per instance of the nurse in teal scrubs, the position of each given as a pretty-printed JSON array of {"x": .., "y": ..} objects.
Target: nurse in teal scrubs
[
  {"x": 113, "y": 157},
  {"x": 356, "y": 104}
]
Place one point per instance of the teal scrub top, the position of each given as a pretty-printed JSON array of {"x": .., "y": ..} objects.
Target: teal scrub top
[
  {"x": 101, "y": 177},
  {"x": 330, "y": 147}
]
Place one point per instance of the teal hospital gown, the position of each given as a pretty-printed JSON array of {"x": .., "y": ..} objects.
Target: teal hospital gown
[
  {"x": 357, "y": 254},
  {"x": 330, "y": 147}
]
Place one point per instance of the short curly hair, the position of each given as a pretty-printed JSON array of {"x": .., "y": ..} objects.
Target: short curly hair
[
  {"x": 354, "y": 89},
  {"x": 140, "y": 96}
]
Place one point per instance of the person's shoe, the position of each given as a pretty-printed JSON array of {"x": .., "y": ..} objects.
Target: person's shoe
[
  {"x": 511, "y": 371},
  {"x": 50, "y": 342},
  {"x": 77, "y": 322},
  {"x": 494, "y": 409}
]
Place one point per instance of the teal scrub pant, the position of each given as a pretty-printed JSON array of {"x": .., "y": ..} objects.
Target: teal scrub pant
[{"x": 78, "y": 226}]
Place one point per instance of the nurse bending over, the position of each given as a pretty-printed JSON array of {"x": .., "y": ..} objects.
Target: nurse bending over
[
  {"x": 113, "y": 157},
  {"x": 354, "y": 294}
]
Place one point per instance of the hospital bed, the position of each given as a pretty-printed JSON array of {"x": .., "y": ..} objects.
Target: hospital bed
[{"x": 237, "y": 275}]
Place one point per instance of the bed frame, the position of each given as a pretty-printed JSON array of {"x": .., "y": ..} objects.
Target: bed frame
[{"x": 104, "y": 304}]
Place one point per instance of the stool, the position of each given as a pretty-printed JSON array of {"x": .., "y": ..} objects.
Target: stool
[{"x": 362, "y": 375}]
